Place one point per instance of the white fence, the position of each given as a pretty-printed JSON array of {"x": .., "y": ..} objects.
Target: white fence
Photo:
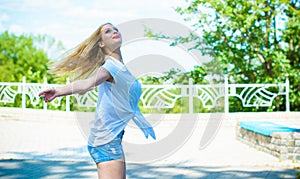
[{"x": 160, "y": 96}]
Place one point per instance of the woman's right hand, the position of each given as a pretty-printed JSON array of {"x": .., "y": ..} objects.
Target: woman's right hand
[{"x": 48, "y": 95}]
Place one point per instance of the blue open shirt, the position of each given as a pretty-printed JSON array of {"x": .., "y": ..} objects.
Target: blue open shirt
[{"x": 117, "y": 105}]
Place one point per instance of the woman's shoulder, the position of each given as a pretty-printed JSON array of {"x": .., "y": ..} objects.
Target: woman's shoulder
[{"x": 114, "y": 62}]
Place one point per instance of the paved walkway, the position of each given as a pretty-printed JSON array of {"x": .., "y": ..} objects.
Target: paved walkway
[
  {"x": 31, "y": 148},
  {"x": 34, "y": 169}
]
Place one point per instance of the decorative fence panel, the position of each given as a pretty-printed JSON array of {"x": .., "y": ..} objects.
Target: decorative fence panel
[{"x": 159, "y": 96}]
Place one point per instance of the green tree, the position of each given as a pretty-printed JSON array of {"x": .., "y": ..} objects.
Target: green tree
[
  {"x": 251, "y": 41},
  {"x": 25, "y": 55},
  {"x": 19, "y": 57}
]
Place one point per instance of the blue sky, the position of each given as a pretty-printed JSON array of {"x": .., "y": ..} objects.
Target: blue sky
[{"x": 71, "y": 21}]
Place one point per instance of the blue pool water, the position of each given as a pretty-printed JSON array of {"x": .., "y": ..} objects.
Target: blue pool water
[{"x": 265, "y": 127}]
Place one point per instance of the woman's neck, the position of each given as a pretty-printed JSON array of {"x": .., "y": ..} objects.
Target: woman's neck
[{"x": 117, "y": 55}]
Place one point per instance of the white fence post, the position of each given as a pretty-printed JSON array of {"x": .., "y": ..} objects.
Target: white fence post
[
  {"x": 45, "y": 106},
  {"x": 226, "y": 94},
  {"x": 23, "y": 92},
  {"x": 287, "y": 95},
  {"x": 68, "y": 98},
  {"x": 191, "y": 96}
]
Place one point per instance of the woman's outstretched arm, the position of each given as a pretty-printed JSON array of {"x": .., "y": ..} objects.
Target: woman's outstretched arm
[{"x": 77, "y": 87}]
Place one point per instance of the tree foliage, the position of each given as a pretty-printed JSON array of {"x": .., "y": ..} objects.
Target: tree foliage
[
  {"x": 25, "y": 55},
  {"x": 250, "y": 41},
  {"x": 20, "y": 56},
  {"x": 176, "y": 76}
]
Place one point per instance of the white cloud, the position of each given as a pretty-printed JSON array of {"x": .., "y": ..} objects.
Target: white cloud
[
  {"x": 53, "y": 4},
  {"x": 16, "y": 29},
  {"x": 4, "y": 17},
  {"x": 120, "y": 11},
  {"x": 1, "y": 28},
  {"x": 72, "y": 21},
  {"x": 93, "y": 14},
  {"x": 70, "y": 35}
]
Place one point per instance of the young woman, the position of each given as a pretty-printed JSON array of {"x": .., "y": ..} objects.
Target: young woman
[{"x": 97, "y": 61}]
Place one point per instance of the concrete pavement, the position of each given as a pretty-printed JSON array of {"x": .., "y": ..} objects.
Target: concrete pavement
[
  {"x": 29, "y": 169},
  {"x": 55, "y": 147}
]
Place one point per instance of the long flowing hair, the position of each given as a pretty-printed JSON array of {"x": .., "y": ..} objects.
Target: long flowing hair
[{"x": 82, "y": 60}]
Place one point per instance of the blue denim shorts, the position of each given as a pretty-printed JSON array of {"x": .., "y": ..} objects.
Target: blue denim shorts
[{"x": 107, "y": 152}]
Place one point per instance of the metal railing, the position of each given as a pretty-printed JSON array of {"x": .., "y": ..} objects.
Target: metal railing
[{"x": 159, "y": 96}]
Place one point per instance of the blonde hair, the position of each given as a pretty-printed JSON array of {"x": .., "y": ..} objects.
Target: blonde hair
[{"x": 82, "y": 60}]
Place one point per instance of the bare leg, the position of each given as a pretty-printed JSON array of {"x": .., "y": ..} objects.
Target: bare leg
[{"x": 115, "y": 169}]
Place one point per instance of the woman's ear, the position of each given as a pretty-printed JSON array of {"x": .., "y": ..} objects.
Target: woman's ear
[{"x": 101, "y": 44}]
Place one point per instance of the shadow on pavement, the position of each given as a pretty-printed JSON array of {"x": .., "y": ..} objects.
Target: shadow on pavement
[
  {"x": 23, "y": 169},
  {"x": 195, "y": 172}
]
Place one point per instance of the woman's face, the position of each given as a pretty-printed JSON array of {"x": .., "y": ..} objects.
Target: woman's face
[{"x": 111, "y": 38}]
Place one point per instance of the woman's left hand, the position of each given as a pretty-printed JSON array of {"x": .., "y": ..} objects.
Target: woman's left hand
[{"x": 48, "y": 95}]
